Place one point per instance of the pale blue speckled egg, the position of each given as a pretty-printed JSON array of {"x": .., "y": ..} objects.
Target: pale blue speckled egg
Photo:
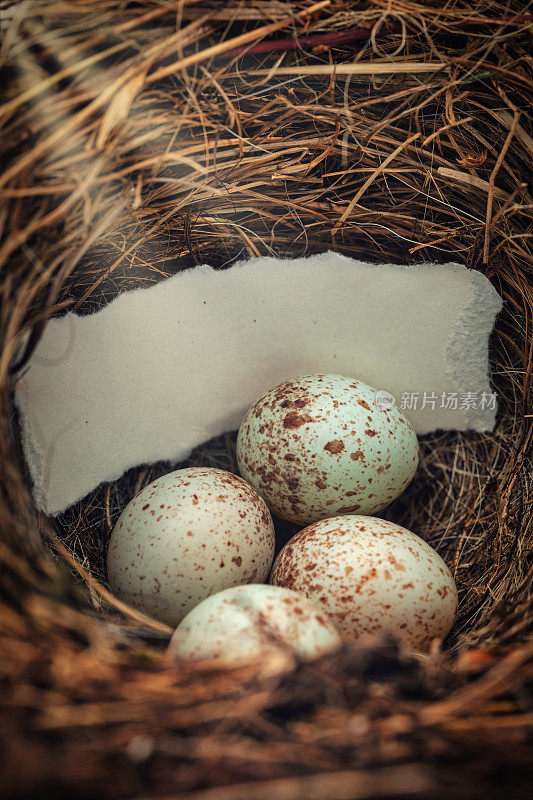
[{"x": 319, "y": 446}]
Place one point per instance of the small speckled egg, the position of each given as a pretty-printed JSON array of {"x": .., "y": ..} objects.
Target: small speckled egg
[
  {"x": 187, "y": 535},
  {"x": 371, "y": 576},
  {"x": 319, "y": 446},
  {"x": 250, "y": 622}
]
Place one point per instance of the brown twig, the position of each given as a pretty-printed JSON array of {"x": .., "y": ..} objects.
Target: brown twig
[{"x": 491, "y": 185}]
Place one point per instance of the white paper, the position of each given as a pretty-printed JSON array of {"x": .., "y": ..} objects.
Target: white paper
[{"x": 161, "y": 370}]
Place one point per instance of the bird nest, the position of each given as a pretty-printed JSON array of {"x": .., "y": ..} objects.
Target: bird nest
[{"x": 142, "y": 138}]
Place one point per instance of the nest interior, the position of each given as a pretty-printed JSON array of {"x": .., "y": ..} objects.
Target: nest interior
[{"x": 142, "y": 138}]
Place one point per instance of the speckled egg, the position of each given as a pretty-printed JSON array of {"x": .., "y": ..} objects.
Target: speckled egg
[
  {"x": 319, "y": 446},
  {"x": 250, "y": 622},
  {"x": 187, "y": 535},
  {"x": 371, "y": 576}
]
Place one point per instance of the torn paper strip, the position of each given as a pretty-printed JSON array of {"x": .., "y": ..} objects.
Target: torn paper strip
[{"x": 161, "y": 370}]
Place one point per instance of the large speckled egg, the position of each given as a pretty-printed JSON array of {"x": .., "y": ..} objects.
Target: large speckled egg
[
  {"x": 371, "y": 576},
  {"x": 319, "y": 446},
  {"x": 187, "y": 535},
  {"x": 250, "y": 622}
]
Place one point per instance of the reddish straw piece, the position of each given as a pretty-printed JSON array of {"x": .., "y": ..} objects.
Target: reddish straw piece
[{"x": 359, "y": 34}]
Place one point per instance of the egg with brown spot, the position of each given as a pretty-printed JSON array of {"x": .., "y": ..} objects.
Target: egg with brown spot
[
  {"x": 319, "y": 446},
  {"x": 211, "y": 531},
  {"x": 371, "y": 576},
  {"x": 248, "y": 623}
]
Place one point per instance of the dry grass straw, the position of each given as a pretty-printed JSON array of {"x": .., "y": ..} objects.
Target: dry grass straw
[{"x": 139, "y": 139}]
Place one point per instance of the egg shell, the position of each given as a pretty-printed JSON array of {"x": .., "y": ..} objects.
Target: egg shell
[
  {"x": 250, "y": 622},
  {"x": 319, "y": 446},
  {"x": 187, "y": 535},
  {"x": 371, "y": 576}
]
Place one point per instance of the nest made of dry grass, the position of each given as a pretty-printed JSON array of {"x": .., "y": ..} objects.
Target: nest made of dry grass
[{"x": 138, "y": 139}]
